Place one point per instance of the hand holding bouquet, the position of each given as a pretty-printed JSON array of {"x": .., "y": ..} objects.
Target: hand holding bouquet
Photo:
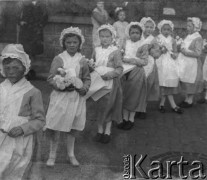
[
  {"x": 162, "y": 46},
  {"x": 66, "y": 80},
  {"x": 179, "y": 42},
  {"x": 91, "y": 64}
]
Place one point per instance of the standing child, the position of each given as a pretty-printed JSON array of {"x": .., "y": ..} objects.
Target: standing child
[
  {"x": 70, "y": 79},
  {"x": 134, "y": 82},
  {"x": 120, "y": 27},
  {"x": 150, "y": 69},
  {"x": 21, "y": 113},
  {"x": 167, "y": 66},
  {"x": 190, "y": 65},
  {"x": 109, "y": 65}
]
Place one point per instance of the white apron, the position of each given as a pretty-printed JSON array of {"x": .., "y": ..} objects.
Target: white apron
[
  {"x": 99, "y": 87},
  {"x": 205, "y": 69},
  {"x": 15, "y": 152},
  {"x": 150, "y": 65},
  {"x": 166, "y": 65},
  {"x": 67, "y": 110},
  {"x": 188, "y": 65}
]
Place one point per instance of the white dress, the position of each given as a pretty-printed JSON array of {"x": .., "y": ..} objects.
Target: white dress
[
  {"x": 99, "y": 87},
  {"x": 67, "y": 110},
  {"x": 205, "y": 70},
  {"x": 166, "y": 65},
  {"x": 15, "y": 152},
  {"x": 188, "y": 65}
]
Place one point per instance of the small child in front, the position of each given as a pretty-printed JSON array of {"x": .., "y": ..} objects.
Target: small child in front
[{"x": 21, "y": 113}]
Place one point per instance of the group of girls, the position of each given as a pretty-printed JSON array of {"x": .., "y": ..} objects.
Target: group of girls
[{"x": 159, "y": 69}]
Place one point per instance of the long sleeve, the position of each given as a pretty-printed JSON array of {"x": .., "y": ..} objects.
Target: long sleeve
[
  {"x": 37, "y": 120},
  {"x": 196, "y": 49},
  {"x": 118, "y": 68},
  {"x": 142, "y": 56},
  {"x": 56, "y": 63},
  {"x": 85, "y": 76}
]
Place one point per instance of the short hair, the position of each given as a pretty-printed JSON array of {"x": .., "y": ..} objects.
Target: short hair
[
  {"x": 135, "y": 27},
  {"x": 72, "y": 35}
]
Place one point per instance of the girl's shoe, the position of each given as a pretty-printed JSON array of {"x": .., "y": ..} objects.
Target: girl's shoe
[
  {"x": 73, "y": 161},
  {"x": 129, "y": 125},
  {"x": 50, "y": 162},
  {"x": 142, "y": 115},
  {"x": 122, "y": 124},
  {"x": 106, "y": 139},
  {"x": 177, "y": 110},
  {"x": 98, "y": 137},
  {"x": 185, "y": 105},
  {"x": 162, "y": 109},
  {"x": 202, "y": 101}
]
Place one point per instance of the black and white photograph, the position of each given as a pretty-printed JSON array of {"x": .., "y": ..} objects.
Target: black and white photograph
[{"x": 103, "y": 89}]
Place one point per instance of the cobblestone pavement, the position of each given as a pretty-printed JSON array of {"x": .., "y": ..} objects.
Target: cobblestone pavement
[{"x": 157, "y": 135}]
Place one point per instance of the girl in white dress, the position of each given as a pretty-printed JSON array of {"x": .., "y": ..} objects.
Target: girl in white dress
[
  {"x": 120, "y": 27},
  {"x": 167, "y": 66},
  {"x": 190, "y": 65},
  {"x": 150, "y": 69},
  {"x": 67, "y": 108}
]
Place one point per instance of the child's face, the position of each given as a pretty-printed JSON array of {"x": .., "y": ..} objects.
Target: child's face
[
  {"x": 155, "y": 52},
  {"x": 166, "y": 30},
  {"x": 14, "y": 71},
  {"x": 149, "y": 28},
  {"x": 72, "y": 44},
  {"x": 122, "y": 16},
  {"x": 190, "y": 27},
  {"x": 134, "y": 34},
  {"x": 105, "y": 37}
]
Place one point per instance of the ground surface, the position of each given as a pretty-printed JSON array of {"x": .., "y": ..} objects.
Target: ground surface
[{"x": 160, "y": 136}]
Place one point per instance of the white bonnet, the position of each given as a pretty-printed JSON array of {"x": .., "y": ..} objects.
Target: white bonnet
[
  {"x": 163, "y": 22},
  {"x": 15, "y": 51},
  {"x": 196, "y": 22},
  {"x": 71, "y": 30},
  {"x": 144, "y": 20},
  {"x": 110, "y": 28},
  {"x": 132, "y": 24}
]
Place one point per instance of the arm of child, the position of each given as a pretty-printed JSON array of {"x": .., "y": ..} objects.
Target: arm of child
[
  {"x": 118, "y": 69},
  {"x": 196, "y": 53},
  {"x": 142, "y": 56},
  {"x": 37, "y": 120},
  {"x": 86, "y": 78},
  {"x": 175, "y": 50},
  {"x": 56, "y": 63}
]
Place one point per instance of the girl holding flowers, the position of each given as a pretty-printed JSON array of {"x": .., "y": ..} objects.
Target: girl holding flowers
[
  {"x": 190, "y": 65},
  {"x": 167, "y": 66},
  {"x": 108, "y": 62},
  {"x": 70, "y": 79}
]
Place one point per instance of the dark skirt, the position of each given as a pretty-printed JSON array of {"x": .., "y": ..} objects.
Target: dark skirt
[
  {"x": 135, "y": 90},
  {"x": 197, "y": 87},
  {"x": 109, "y": 107},
  {"x": 153, "y": 88}
]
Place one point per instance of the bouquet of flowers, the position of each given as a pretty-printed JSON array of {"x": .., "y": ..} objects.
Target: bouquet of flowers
[
  {"x": 162, "y": 45},
  {"x": 91, "y": 64},
  {"x": 179, "y": 42},
  {"x": 67, "y": 79}
]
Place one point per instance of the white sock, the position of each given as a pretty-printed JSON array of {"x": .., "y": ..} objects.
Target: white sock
[
  {"x": 205, "y": 94},
  {"x": 100, "y": 128},
  {"x": 108, "y": 128},
  {"x": 70, "y": 145},
  {"x": 126, "y": 114},
  {"x": 131, "y": 116}
]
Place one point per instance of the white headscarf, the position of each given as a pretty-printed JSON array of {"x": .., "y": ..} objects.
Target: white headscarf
[
  {"x": 144, "y": 20},
  {"x": 196, "y": 22},
  {"x": 15, "y": 51},
  {"x": 132, "y": 24},
  {"x": 163, "y": 22},
  {"x": 71, "y": 30},
  {"x": 110, "y": 28}
]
